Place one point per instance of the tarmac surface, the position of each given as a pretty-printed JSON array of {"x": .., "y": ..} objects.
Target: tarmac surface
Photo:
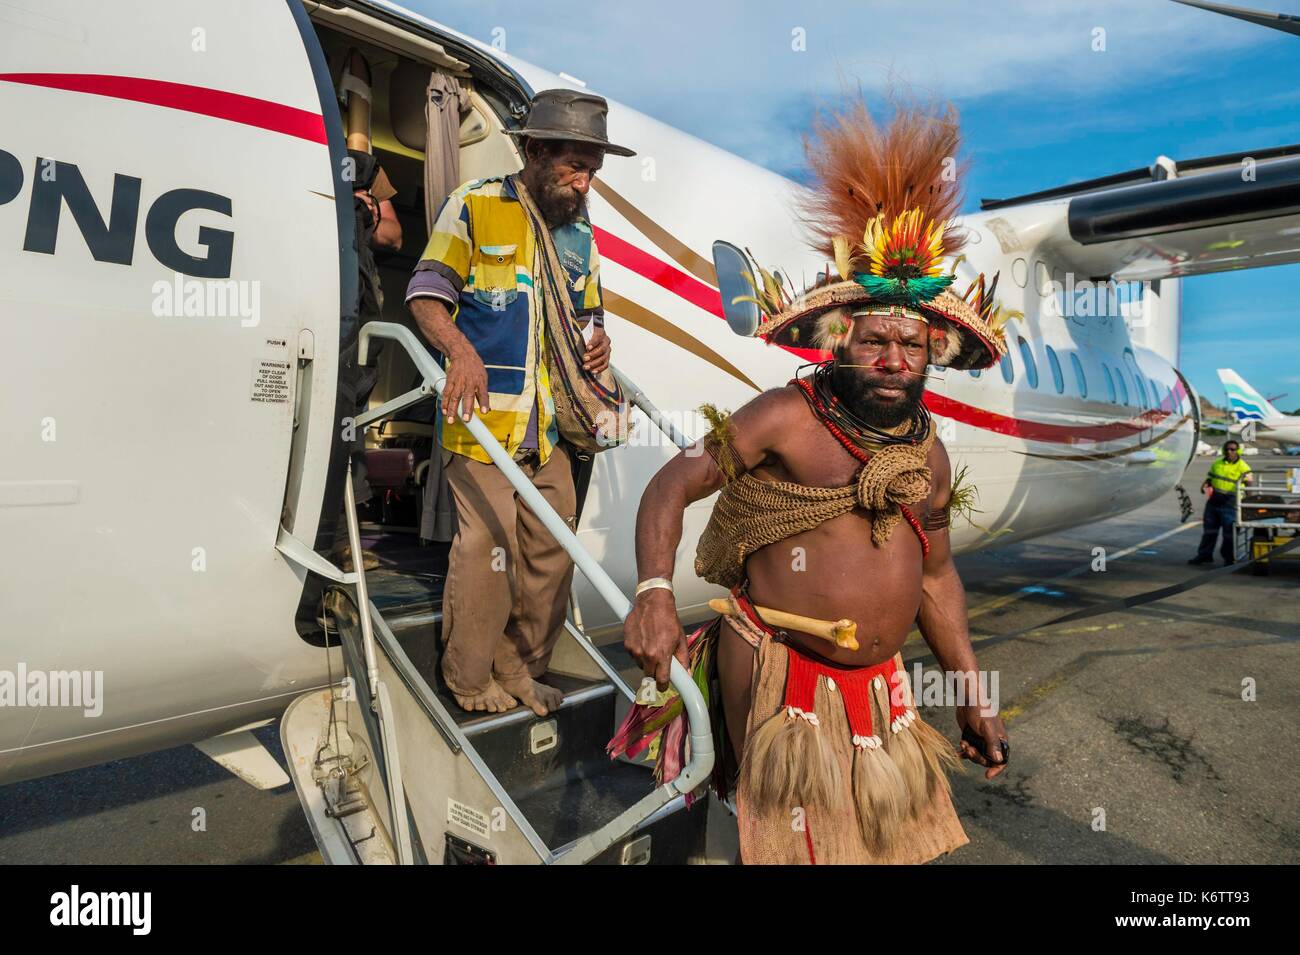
[{"x": 1131, "y": 739}]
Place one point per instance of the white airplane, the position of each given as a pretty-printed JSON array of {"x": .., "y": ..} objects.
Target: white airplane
[
  {"x": 1253, "y": 412},
  {"x": 176, "y": 239}
]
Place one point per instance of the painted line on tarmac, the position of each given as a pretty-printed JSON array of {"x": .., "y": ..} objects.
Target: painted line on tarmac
[
  {"x": 997, "y": 603},
  {"x": 1035, "y": 695}
]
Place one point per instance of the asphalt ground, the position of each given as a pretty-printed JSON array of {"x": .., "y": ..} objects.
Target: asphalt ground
[{"x": 1131, "y": 739}]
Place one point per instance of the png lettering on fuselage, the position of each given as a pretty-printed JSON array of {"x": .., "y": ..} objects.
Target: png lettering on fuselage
[{"x": 57, "y": 184}]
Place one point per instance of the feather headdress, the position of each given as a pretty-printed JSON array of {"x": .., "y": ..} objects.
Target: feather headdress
[
  {"x": 881, "y": 208},
  {"x": 984, "y": 301},
  {"x": 884, "y": 197}
]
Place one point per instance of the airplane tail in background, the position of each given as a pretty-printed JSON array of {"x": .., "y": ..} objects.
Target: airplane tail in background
[{"x": 1245, "y": 403}]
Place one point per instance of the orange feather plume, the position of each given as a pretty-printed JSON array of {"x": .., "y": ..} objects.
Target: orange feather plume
[{"x": 862, "y": 170}]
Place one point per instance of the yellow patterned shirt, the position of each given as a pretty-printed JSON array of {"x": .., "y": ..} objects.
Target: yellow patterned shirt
[{"x": 481, "y": 259}]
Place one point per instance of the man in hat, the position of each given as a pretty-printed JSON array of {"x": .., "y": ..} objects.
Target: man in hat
[
  {"x": 831, "y": 532},
  {"x": 478, "y": 297}
]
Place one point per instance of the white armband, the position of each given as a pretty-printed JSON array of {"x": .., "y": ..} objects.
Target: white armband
[{"x": 654, "y": 583}]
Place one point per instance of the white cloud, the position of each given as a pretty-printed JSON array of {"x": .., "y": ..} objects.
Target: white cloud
[{"x": 684, "y": 61}]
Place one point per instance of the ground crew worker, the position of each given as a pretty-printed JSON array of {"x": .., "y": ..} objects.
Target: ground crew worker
[{"x": 1226, "y": 476}]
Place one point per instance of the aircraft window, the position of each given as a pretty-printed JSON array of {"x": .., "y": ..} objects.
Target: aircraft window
[
  {"x": 1031, "y": 369},
  {"x": 1140, "y": 391},
  {"x": 1008, "y": 372},
  {"x": 1079, "y": 375},
  {"x": 1123, "y": 387},
  {"x": 1055, "y": 364},
  {"x": 1110, "y": 383}
]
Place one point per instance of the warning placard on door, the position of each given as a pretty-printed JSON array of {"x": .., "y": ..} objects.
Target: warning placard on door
[
  {"x": 469, "y": 818},
  {"x": 270, "y": 380}
]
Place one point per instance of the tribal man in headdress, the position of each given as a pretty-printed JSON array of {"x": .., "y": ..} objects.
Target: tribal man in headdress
[{"x": 831, "y": 529}]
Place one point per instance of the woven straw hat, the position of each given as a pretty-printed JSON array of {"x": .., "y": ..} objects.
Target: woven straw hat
[{"x": 882, "y": 208}]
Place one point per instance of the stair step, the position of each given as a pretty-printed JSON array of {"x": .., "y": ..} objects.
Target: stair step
[
  {"x": 571, "y": 787},
  {"x": 477, "y": 724},
  {"x": 573, "y": 737},
  {"x": 562, "y": 814},
  {"x": 418, "y": 631},
  {"x": 398, "y": 594},
  {"x": 554, "y": 768}
]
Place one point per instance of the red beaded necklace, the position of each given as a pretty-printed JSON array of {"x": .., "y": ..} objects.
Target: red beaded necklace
[{"x": 858, "y": 452}]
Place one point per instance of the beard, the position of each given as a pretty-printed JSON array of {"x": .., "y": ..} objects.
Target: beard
[
  {"x": 856, "y": 387},
  {"x": 558, "y": 204}
]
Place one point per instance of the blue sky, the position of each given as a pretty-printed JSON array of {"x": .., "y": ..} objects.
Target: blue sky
[{"x": 1050, "y": 92}]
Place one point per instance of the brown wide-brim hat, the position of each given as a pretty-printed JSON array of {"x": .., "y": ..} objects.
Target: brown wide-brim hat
[
  {"x": 569, "y": 115},
  {"x": 981, "y": 345}
]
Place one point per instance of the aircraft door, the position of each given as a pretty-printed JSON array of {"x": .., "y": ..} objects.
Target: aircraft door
[{"x": 174, "y": 254}]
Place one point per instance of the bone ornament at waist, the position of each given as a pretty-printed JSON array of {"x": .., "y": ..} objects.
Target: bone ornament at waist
[{"x": 843, "y": 633}]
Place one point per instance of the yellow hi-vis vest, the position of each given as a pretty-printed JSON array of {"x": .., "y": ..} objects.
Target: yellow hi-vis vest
[{"x": 1225, "y": 477}]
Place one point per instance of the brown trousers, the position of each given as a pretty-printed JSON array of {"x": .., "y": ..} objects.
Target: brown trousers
[{"x": 508, "y": 578}]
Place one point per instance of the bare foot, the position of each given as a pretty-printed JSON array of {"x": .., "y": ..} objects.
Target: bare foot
[
  {"x": 538, "y": 697},
  {"x": 493, "y": 700}
]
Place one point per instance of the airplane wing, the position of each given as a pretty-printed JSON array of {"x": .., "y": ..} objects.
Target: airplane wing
[
  {"x": 1177, "y": 217},
  {"x": 1180, "y": 218}
]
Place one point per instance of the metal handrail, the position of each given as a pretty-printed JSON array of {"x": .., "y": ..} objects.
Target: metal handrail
[
  {"x": 363, "y": 595},
  {"x": 697, "y": 769},
  {"x": 639, "y": 399}
]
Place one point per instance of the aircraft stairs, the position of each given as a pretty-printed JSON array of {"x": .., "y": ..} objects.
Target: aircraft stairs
[{"x": 391, "y": 770}]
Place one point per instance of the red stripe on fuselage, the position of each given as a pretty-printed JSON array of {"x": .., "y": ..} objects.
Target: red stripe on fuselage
[
  {"x": 710, "y": 300},
  {"x": 235, "y": 107},
  {"x": 661, "y": 273},
  {"x": 1029, "y": 430},
  {"x": 676, "y": 281}
]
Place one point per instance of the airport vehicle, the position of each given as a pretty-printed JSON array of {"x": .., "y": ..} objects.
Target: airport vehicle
[
  {"x": 1254, "y": 413},
  {"x": 1268, "y": 514},
  {"x": 176, "y": 236}
]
